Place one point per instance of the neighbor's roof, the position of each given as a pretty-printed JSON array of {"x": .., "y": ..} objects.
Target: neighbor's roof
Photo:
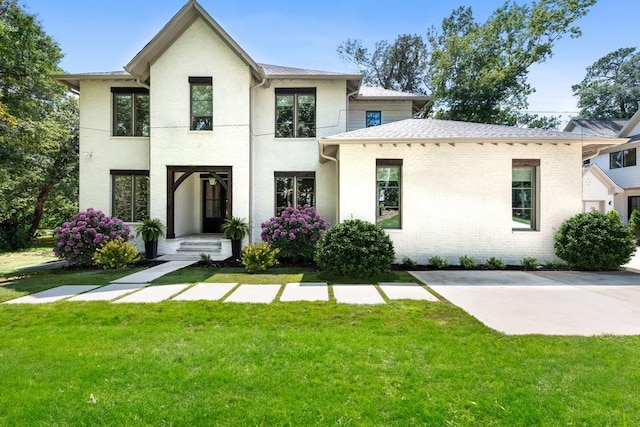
[{"x": 597, "y": 127}]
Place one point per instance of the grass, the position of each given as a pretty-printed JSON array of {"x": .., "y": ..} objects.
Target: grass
[
  {"x": 10, "y": 261},
  {"x": 212, "y": 363}
]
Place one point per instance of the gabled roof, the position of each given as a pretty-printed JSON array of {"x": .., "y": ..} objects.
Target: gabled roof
[
  {"x": 139, "y": 65},
  {"x": 612, "y": 187},
  {"x": 631, "y": 123},
  {"x": 369, "y": 93},
  {"x": 597, "y": 127}
]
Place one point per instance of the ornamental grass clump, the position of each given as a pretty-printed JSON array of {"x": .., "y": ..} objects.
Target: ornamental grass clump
[
  {"x": 78, "y": 239},
  {"x": 295, "y": 233}
]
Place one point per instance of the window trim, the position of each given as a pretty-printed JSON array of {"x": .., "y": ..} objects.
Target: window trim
[
  {"x": 199, "y": 81},
  {"x": 622, "y": 152},
  {"x": 294, "y": 175},
  {"x": 131, "y": 173},
  {"x": 295, "y": 92},
  {"x": 383, "y": 163},
  {"x": 534, "y": 166},
  {"x": 366, "y": 113},
  {"x": 133, "y": 91}
]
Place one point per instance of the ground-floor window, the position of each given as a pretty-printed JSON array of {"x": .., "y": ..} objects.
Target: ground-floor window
[
  {"x": 388, "y": 193},
  {"x": 130, "y": 195},
  {"x": 524, "y": 194},
  {"x": 294, "y": 189},
  {"x": 634, "y": 203}
]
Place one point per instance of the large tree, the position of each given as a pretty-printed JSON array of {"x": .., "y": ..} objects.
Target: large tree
[
  {"x": 401, "y": 65},
  {"x": 475, "y": 71},
  {"x": 38, "y": 124},
  {"x": 611, "y": 86},
  {"x": 479, "y": 70}
]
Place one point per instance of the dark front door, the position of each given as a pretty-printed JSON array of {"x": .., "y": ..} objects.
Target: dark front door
[{"x": 214, "y": 205}]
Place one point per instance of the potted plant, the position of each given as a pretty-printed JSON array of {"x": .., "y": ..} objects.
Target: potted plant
[
  {"x": 236, "y": 229},
  {"x": 150, "y": 230}
]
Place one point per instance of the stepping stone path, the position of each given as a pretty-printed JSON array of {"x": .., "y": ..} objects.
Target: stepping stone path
[
  {"x": 409, "y": 290},
  {"x": 357, "y": 294},
  {"x": 206, "y": 291},
  {"x": 263, "y": 294},
  {"x": 108, "y": 293},
  {"x": 153, "y": 294},
  {"x": 307, "y": 291},
  {"x": 51, "y": 295}
]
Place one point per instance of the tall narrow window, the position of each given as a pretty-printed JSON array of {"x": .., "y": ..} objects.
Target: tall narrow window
[
  {"x": 201, "y": 103},
  {"x": 622, "y": 159},
  {"x": 130, "y": 111},
  {"x": 524, "y": 194},
  {"x": 294, "y": 189},
  {"x": 388, "y": 193},
  {"x": 296, "y": 113},
  {"x": 130, "y": 195},
  {"x": 373, "y": 118}
]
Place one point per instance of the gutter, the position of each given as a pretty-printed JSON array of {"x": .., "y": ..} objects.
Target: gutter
[
  {"x": 251, "y": 162},
  {"x": 333, "y": 159}
]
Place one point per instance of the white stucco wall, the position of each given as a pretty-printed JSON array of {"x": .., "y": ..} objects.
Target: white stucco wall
[
  {"x": 456, "y": 200},
  {"x": 595, "y": 192},
  {"x": 295, "y": 154},
  {"x": 199, "y": 52}
]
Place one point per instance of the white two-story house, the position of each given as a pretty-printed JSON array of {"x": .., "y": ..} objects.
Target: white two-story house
[{"x": 194, "y": 131}]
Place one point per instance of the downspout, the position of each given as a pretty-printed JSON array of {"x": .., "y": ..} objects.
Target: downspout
[
  {"x": 596, "y": 153},
  {"x": 333, "y": 159},
  {"x": 251, "y": 136},
  {"x": 143, "y": 84}
]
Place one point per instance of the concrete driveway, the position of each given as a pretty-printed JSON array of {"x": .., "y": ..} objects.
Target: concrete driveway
[{"x": 547, "y": 303}]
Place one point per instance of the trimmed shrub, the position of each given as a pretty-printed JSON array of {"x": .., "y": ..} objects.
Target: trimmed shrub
[
  {"x": 634, "y": 224},
  {"x": 258, "y": 257},
  {"x": 529, "y": 263},
  {"x": 116, "y": 254},
  {"x": 495, "y": 263},
  {"x": 594, "y": 241},
  {"x": 614, "y": 214},
  {"x": 437, "y": 262},
  {"x": 408, "y": 262},
  {"x": 467, "y": 262},
  {"x": 355, "y": 248},
  {"x": 295, "y": 233},
  {"x": 78, "y": 239}
]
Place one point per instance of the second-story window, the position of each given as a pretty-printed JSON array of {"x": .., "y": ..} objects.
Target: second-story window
[
  {"x": 130, "y": 111},
  {"x": 622, "y": 159},
  {"x": 201, "y": 103},
  {"x": 296, "y": 113}
]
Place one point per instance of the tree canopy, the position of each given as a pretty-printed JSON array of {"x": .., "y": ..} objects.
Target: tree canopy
[
  {"x": 611, "y": 86},
  {"x": 38, "y": 126},
  {"x": 475, "y": 71}
]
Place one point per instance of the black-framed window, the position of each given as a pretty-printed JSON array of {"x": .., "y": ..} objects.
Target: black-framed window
[
  {"x": 622, "y": 159},
  {"x": 130, "y": 194},
  {"x": 524, "y": 194},
  {"x": 389, "y": 193},
  {"x": 633, "y": 203},
  {"x": 201, "y": 103},
  {"x": 296, "y": 113},
  {"x": 130, "y": 111},
  {"x": 373, "y": 118},
  {"x": 294, "y": 189}
]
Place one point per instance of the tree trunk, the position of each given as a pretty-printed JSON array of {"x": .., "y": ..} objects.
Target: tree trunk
[{"x": 39, "y": 210}]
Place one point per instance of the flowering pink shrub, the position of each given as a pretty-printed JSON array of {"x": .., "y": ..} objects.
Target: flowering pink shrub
[
  {"x": 295, "y": 232},
  {"x": 78, "y": 239}
]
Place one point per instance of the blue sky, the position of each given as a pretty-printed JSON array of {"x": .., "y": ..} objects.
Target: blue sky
[{"x": 106, "y": 35}]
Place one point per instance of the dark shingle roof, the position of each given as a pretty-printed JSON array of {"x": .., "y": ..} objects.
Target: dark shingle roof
[{"x": 601, "y": 127}]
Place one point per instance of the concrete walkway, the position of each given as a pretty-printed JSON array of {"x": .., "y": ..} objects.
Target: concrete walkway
[
  {"x": 153, "y": 273},
  {"x": 547, "y": 303}
]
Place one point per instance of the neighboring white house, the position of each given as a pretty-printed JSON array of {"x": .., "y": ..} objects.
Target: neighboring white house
[
  {"x": 195, "y": 131},
  {"x": 611, "y": 178}
]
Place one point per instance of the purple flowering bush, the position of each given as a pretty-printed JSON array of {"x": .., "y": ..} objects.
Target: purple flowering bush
[
  {"x": 295, "y": 232},
  {"x": 78, "y": 239}
]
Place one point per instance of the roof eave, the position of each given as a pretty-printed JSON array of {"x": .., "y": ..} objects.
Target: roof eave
[
  {"x": 139, "y": 65},
  {"x": 464, "y": 140},
  {"x": 72, "y": 81},
  {"x": 633, "y": 121}
]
